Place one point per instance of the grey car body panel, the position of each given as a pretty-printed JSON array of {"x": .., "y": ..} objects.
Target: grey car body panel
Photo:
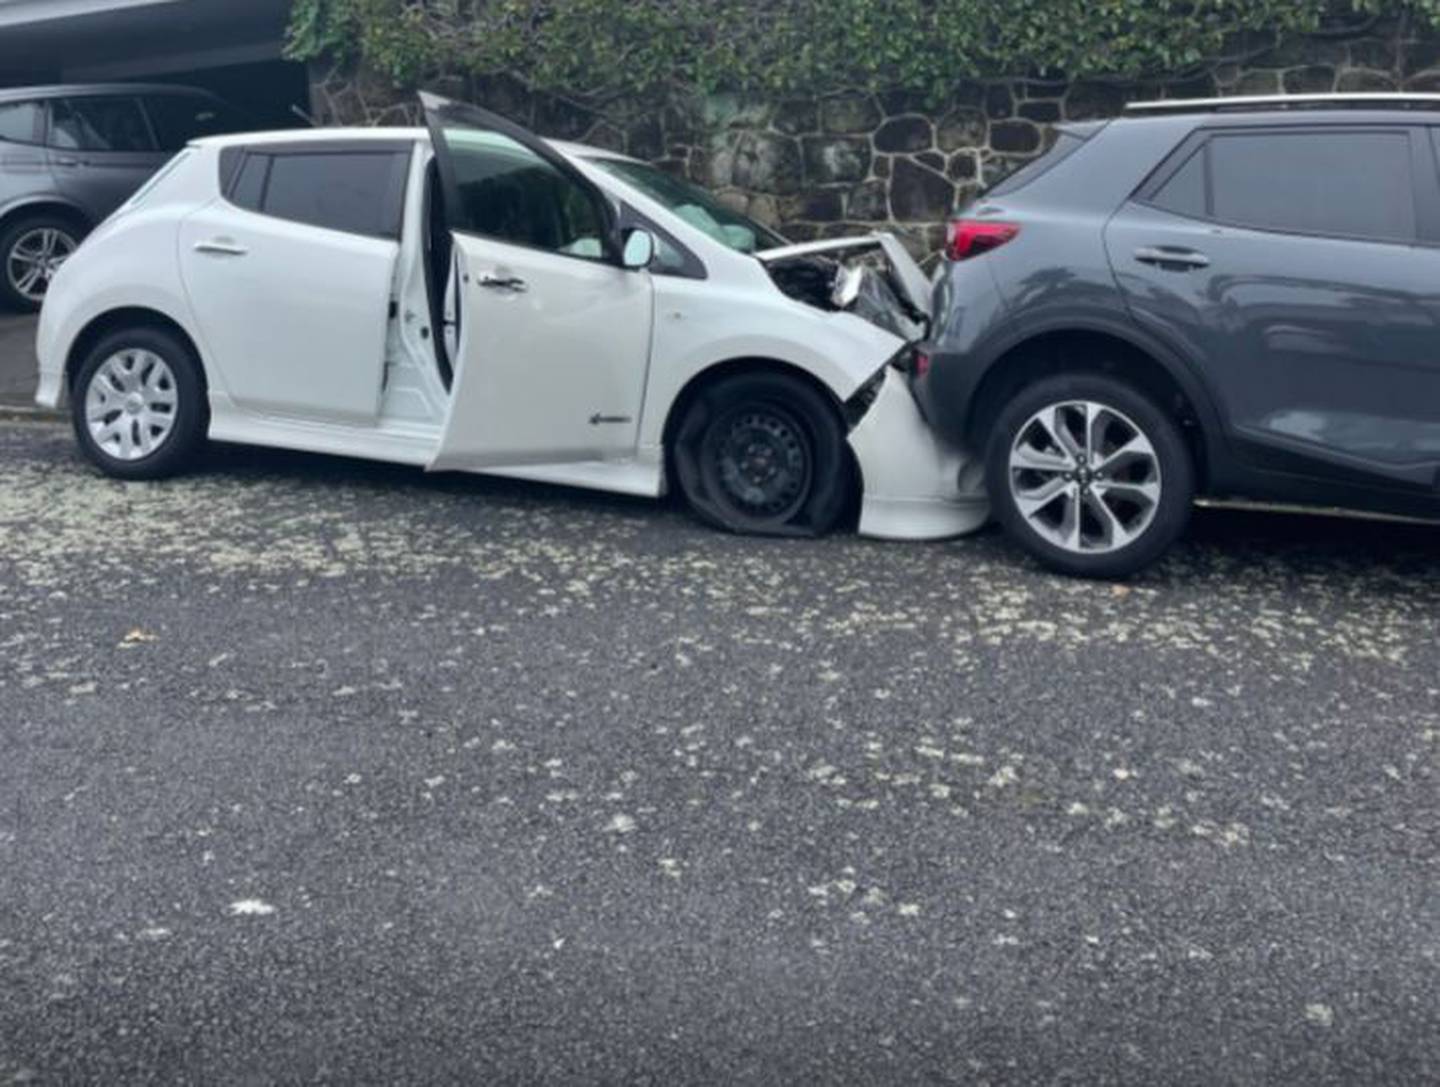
[
  {"x": 87, "y": 184},
  {"x": 1312, "y": 363},
  {"x": 1054, "y": 276}
]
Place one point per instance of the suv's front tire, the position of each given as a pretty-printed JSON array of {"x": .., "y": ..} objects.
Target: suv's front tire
[{"x": 1089, "y": 475}]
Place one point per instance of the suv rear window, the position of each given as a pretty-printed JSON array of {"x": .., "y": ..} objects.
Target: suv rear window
[
  {"x": 1327, "y": 182},
  {"x": 1067, "y": 142},
  {"x": 180, "y": 118}
]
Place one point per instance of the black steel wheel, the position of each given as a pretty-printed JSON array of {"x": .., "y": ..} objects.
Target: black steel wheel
[{"x": 763, "y": 454}]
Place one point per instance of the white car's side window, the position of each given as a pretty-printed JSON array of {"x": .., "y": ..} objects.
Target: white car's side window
[
  {"x": 509, "y": 193},
  {"x": 357, "y": 192}
]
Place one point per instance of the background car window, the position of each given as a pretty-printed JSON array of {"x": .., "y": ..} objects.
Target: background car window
[
  {"x": 1355, "y": 184},
  {"x": 20, "y": 122},
  {"x": 359, "y": 192},
  {"x": 180, "y": 118},
  {"x": 99, "y": 124},
  {"x": 1184, "y": 193},
  {"x": 509, "y": 193}
]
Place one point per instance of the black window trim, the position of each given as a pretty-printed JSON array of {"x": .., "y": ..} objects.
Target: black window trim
[
  {"x": 1427, "y": 214},
  {"x": 234, "y": 157}
]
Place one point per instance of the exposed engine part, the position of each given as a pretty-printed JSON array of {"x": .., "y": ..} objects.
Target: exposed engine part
[
  {"x": 807, "y": 279},
  {"x": 861, "y": 282}
]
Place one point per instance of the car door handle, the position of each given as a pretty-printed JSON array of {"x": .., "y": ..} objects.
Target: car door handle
[
  {"x": 503, "y": 283},
  {"x": 70, "y": 163},
  {"x": 1173, "y": 259},
  {"x": 223, "y": 247}
]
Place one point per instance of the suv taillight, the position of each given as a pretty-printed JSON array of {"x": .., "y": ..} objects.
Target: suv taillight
[{"x": 966, "y": 238}]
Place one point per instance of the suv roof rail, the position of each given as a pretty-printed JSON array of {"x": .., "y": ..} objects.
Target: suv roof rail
[{"x": 1243, "y": 103}]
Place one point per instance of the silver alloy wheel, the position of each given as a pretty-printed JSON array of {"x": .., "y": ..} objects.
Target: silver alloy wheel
[
  {"x": 35, "y": 258},
  {"x": 1085, "y": 477},
  {"x": 130, "y": 404}
]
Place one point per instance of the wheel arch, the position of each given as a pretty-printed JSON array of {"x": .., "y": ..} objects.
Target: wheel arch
[
  {"x": 1104, "y": 349},
  {"x": 46, "y": 205},
  {"x": 719, "y": 371},
  {"x": 126, "y": 317}
]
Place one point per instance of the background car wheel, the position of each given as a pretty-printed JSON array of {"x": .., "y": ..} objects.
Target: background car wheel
[
  {"x": 32, "y": 249},
  {"x": 138, "y": 404},
  {"x": 1089, "y": 475},
  {"x": 763, "y": 454}
]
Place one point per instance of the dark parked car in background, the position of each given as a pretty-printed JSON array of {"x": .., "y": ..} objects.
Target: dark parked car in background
[
  {"x": 69, "y": 156},
  {"x": 1232, "y": 298}
]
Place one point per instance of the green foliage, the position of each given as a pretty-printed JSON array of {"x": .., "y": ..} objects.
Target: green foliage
[{"x": 598, "y": 47}]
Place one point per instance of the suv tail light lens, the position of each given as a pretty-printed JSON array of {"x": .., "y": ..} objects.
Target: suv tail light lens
[{"x": 966, "y": 238}]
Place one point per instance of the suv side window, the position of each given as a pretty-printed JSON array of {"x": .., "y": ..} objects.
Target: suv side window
[
  {"x": 1187, "y": 193},
  {"x": 180, "y": 118},
  {"x": 20, "y": 122},
  {"x": 509, "y": 193},
  {"x": 99, "y": 124},
  {"x": 358, "y": 192},
  {"x": 1325, "y": 181}
]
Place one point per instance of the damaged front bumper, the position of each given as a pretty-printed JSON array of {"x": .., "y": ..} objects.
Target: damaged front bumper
[{"x": 915, "y": 485}]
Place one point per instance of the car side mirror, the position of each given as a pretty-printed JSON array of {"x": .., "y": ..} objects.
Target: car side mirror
[{"x": 639, "y": 249}]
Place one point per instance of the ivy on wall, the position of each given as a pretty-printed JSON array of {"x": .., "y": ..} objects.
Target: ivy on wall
[{"x": 611, "y": 47}]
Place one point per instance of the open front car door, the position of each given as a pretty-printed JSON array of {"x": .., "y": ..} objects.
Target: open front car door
[{"x": 555, "y": 331}]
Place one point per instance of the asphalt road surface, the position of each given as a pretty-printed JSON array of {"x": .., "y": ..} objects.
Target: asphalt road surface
[
  {"x": 17, "y": 362},
  {"x": 312, "y": 770}
]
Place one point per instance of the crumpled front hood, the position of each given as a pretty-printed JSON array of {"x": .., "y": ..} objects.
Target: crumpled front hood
[{"x": 905, "y": 274}]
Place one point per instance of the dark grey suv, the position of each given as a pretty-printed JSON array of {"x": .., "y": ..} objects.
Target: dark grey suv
[
  {"x": 69, "y": 156},
  {"x": 1235, "y": 298}
]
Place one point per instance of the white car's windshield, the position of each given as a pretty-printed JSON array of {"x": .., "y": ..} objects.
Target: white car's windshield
[{"x": 694, "y": 205}]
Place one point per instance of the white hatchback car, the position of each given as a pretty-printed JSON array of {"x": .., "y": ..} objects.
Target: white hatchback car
[{"x": 476, "y": 298}]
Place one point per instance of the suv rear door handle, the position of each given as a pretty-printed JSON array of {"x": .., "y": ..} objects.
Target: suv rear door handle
[{"x": 1174, "y": 260}]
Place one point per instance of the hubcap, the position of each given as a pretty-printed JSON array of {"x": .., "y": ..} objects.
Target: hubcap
[
  {"x": 35, "y": 258},
  {"x": 130, "y": 404},
  {"x": 764, "y": 464},
  {"x": 1085, "y": 477}
]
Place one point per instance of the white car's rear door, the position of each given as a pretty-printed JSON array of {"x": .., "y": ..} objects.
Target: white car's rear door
[
  {"x": 289, "y": 275},
  {"x": 555, "y": 334}
]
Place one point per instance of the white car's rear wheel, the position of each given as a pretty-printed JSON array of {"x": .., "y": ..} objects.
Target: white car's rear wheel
[
  {"x": 763, "y": 454},
  {"x": 138, "y": 404}
]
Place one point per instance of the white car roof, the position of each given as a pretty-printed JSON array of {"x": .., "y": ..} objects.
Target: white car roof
[
  {"x": 355, "y": 134},
  {"x": 710, "y": 249}
]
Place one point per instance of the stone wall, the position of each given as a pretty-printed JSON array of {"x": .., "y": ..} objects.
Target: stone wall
[{"x": 851, "y": 161}]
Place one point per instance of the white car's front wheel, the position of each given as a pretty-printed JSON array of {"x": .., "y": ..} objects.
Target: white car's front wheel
[
  {"x": 138, "y": 404},
  {"x": 763, "y": 454}
]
